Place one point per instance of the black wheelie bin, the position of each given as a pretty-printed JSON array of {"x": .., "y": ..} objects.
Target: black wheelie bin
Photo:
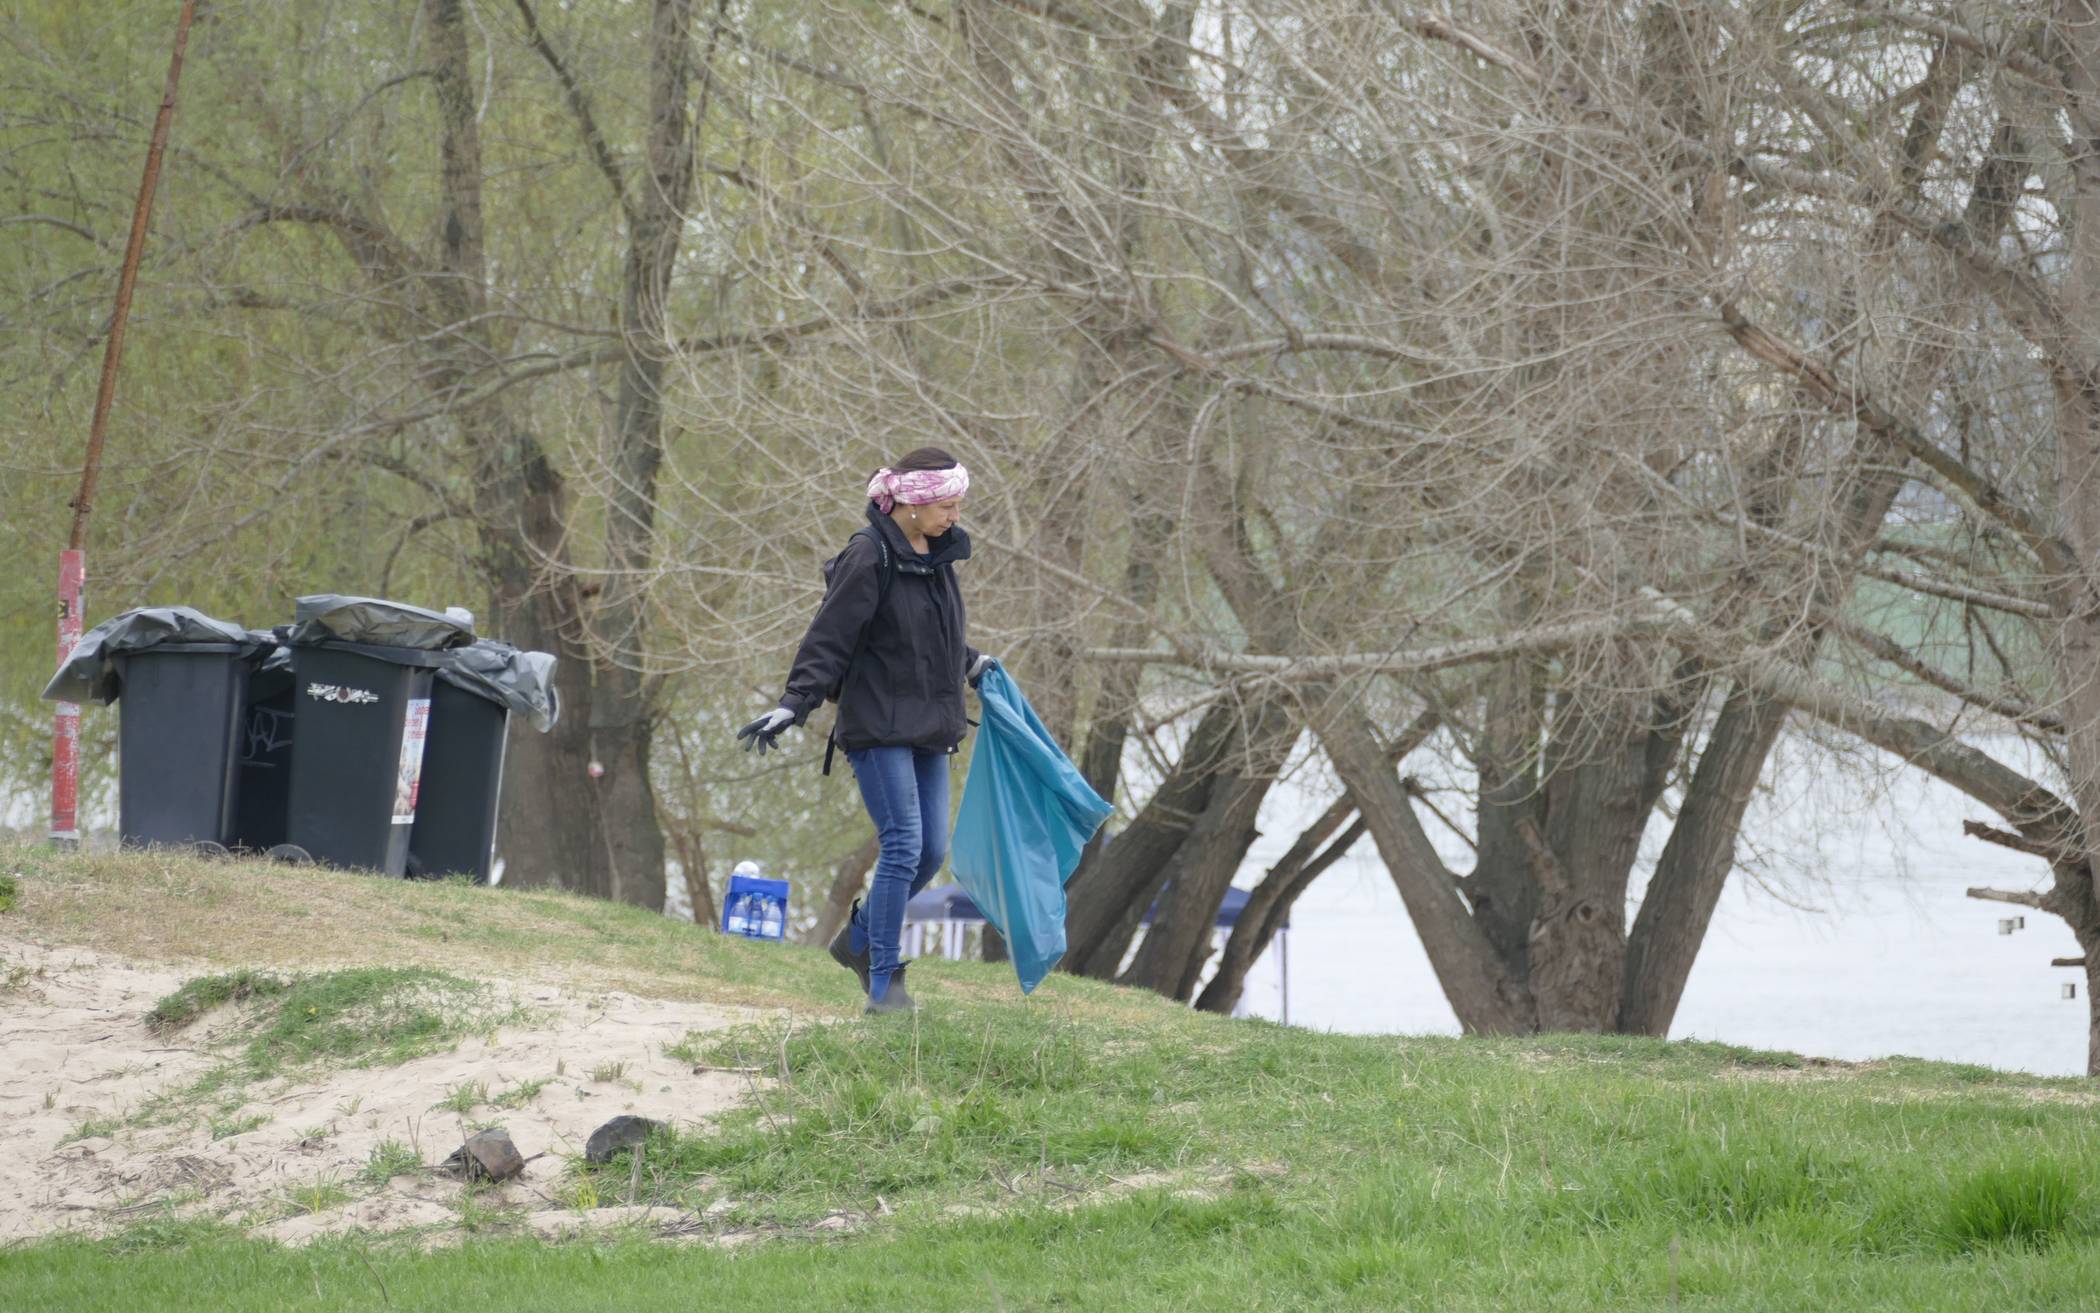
[
  {"x": 183, "y": 678},
  {"x": 362, "y": 670},
  {"x": 477, "y": 689}
]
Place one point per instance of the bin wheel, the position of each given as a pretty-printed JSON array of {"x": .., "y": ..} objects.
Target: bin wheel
[
  {"x": 291, "y": 854},
  {"x": 207, "y": 848}
]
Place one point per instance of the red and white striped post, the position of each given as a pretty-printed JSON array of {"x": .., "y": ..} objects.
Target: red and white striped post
[
  {"x": 72, "y": 562},
  {"x": 65, "y": 722}
]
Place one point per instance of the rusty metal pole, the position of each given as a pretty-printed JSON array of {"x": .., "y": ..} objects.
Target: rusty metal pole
[{"x": 72, "y": 562}]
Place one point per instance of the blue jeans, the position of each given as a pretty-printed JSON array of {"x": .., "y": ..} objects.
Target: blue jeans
[{"x": 906, "y": 794}]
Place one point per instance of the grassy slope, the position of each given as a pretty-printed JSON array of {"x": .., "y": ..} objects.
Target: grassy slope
[{"x": 1116, "y": 1152}]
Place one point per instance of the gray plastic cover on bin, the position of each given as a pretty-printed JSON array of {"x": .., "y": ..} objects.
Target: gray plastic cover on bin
[
  {"x": 334, "y": 617},
  {"x": 521, "y": 681},
  {"x": 90, "y": 674}
]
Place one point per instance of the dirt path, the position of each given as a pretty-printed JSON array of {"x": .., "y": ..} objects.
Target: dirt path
[{"x": 78, "y": 1055}]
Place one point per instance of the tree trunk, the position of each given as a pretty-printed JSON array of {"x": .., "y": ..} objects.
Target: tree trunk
[
  {"x": 1577, "y": 942},
  {"x": 848, "y": 878},
  {"x": 692, "y": 868},
  {"x": 2076, "y": 371},
  {"x": 1269, "y": 906},
  {"x": 1104, "y": 959},
  {"x": 560, "y": 797},
  {"x": 1116, "y": 702},
  {"x": 549, "y": 833},
  {"x": 1501, "y": 889},
  {"x": 1109, "y": 892},
  {"x": 1486, "y": 997},
  {"x": 1177, "y": 944},
  {"x": 2091, "y": 945}
]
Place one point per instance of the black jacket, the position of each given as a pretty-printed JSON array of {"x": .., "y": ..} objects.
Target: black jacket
[{"x": 905, "y": 689}]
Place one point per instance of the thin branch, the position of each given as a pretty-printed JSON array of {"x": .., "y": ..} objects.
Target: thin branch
[
  {"x": 580, "y": 106},
  {"x": 1422, "y": 660},
  {"x": 408, "y": 533},
  {"x": 2003, "y": 52},
  {"x": 55, "y": 222},
  {"x": 1887, "y": 649},
  {"x": 1953, "y": 592},
  {"x": 2018, "y": 898},
  {"x": 2032, "y": 808},
  {"x": 878, "y": 312},
  {"x": 1421, "y": 795},
  {"x": 1852, "y": 401},
  {"x": 2026, "y": 300},
  {"x": 373, "y": 245},
  {"x": 1298, "y": 342},
  {"x": 2054, "y": 854}
]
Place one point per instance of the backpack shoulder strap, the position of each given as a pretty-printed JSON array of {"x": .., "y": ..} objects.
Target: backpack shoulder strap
[{"x": 886, "y": 567}]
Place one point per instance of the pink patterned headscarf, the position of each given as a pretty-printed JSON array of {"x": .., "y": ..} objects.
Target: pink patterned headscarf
[{"x": 916, "y": 487}]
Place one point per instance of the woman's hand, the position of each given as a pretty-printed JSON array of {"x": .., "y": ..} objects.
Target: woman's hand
[
  {"x": 760, "y": 733},
  {"x": 985, "y": 661}
]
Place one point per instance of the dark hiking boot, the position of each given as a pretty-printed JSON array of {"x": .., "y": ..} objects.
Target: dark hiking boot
[
  {"x": 894, "y": 999},
  {"x": 842, "y": 949}
]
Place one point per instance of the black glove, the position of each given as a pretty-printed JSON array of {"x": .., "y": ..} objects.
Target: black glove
[
  {"x": 761, "y": 733},
  {"x": 985, "y": 661}
]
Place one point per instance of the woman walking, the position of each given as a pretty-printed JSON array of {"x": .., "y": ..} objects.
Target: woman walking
[{"x": 888, "y": 643}]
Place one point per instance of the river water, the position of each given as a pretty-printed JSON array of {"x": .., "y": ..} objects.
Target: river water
[{"x": 1851, "y": 937}]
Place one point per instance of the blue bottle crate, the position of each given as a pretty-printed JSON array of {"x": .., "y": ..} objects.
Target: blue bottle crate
[{"x": 755, "y": 907}]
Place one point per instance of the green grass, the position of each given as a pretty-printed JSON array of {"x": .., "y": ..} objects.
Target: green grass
[
  {"x": 520, "y": 1094},
  {"x": 1192, "y": 1162},
  {"x": 387, "y": 1160},
  {"x": 302, "y": 1024},
  {"x": 1089, "y": 1148},
  {"x": 361, "y": 1017},
  {"x": 368, "y": 1016},
  {"x": 163, "y": 904},
  {"x": 224, "y": 1128},
  {"x": 316, "y": 1196},
  {"x": 689, "y": 1048},
  {"x": 2030, "y": 1204},
  {"x": 1248, "y": 1250},
  {"x": 992, "y": 1105},
  {"x": 10, "y": 893},
  {"x": 94, "y": 1128},
  {"x": 201, "y": 995},
  {"x": 463, "y": 1098}
]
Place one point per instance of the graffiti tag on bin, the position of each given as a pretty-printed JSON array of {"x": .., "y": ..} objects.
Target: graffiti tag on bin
[{"x": 340, "y": 693}]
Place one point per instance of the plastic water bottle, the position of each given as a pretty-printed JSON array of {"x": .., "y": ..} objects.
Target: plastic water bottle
[
  {"x": 769, "y": 927},
  {"x": 747, "y": 910}
]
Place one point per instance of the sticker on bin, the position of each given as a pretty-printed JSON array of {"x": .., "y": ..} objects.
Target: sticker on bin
[
  {"x": 408, "y": 781},
  {"x": 753, "y": 906}
]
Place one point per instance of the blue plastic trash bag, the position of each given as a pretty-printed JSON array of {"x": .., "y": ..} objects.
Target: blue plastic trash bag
[{"x": 1026, "y": 814}]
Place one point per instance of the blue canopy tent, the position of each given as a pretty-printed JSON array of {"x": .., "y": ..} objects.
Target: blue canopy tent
[{"x": 947, "y": 911}]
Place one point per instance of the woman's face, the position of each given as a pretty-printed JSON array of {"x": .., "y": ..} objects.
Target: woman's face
[{"x": 934, "y": 518}]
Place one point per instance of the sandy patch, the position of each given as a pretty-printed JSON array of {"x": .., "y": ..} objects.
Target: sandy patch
[{"x": 78, "y": 1053}]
